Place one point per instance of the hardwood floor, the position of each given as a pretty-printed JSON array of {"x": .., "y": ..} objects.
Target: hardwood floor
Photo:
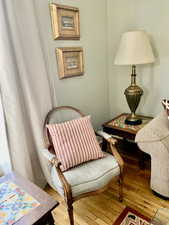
[{"x": 103, "y": 209}]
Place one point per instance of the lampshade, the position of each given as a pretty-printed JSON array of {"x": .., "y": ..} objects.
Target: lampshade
[{"x": 134, "y": 49}]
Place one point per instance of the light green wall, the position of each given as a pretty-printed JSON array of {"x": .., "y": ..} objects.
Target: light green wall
[
  {"x": 120, "y": 18},
  {"x": 89, "y": 92},
  {"x": 153, "y": 17},
  {"x": 100, "y": 91}
]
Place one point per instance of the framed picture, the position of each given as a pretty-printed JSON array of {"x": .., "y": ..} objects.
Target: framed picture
[
  {"x": 65, "y": 22},
  {"x": 70, "y": 62}
]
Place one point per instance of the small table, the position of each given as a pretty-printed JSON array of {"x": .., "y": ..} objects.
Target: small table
[
  {"x": 40, "y": 215},
  {"x": 124, "y": 132}
]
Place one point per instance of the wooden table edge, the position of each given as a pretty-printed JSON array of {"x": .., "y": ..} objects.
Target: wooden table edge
[{"x": 105, "y": 125}]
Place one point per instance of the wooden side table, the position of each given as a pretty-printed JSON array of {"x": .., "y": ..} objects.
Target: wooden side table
[
  {"x": 126, "y": 133},
  {"x": 40, "y": 215}
]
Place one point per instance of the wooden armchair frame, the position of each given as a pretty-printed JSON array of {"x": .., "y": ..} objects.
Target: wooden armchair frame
[{"x": 69, "y": 199}]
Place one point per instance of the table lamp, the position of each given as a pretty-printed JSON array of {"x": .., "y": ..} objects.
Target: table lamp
[{"x": 134, "y": 49}]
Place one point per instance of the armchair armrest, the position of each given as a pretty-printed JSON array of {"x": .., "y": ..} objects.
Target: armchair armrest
[
  {"x": 51, "y": 157},
  {"x": 117, "y": 156},
  {"x": 54, "y": 161},
  {"x": 114, "y": 151},
  {"x": 106, "y": 136}
]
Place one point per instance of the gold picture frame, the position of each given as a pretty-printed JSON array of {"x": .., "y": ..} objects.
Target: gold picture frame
[
  {"x": 70, "y": 62},
  {"x": 65, "y": 22}
]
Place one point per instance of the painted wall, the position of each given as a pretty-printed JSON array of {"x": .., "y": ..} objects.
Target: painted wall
[
  {"x": 153, "y": 17},
  {"x": 102, "y": 23},
  {"x": 89, "y": 92}
]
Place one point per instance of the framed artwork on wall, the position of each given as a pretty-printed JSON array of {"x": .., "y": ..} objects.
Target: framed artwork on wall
[
  {"x": 65, "y": 22},
  {"x": 70, "y": 62}
]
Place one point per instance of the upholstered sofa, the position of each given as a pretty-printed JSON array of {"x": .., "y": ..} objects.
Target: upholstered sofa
[{"x": 154, "y": 140}]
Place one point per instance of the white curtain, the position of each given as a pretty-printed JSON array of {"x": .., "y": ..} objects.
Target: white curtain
[
  {"x": 5, "y": 162},
  {"x": 25, "y": 86}
]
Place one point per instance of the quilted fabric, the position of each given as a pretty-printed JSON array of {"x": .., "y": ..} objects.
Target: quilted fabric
[
  {"x": 156, "y": 130},
  {"x": 154, "y": 140},
  {"x": 75, "y": 142}
]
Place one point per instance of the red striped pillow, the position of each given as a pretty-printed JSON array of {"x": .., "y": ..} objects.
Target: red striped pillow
[{"x": 75, "y": 142}]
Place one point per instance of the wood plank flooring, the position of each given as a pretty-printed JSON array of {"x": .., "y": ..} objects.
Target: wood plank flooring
[{"x": 103, "y": 209}]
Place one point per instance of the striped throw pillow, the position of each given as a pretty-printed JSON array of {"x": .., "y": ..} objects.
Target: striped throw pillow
[
  {"x": 75, "y": 142},
  {"x": 165, "y": 104}
]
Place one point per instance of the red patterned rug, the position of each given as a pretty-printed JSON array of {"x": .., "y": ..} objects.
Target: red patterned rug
[{"x": 131, "y": 217}]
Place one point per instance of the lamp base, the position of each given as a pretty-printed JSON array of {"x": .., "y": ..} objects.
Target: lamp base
[
  {"x": 133, "y": 120},
  {"x": 133, "y": 95}
]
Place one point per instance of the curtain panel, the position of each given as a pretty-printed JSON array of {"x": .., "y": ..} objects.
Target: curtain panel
[
  {"x": 25, "y": 86},
  {"x": 5, "y": 162}
]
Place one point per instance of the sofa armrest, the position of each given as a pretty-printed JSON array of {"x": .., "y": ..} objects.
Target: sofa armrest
[{"x": 156, "y": 130}]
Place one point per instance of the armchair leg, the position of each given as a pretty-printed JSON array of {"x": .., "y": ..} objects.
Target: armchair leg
[
  {"x": 120, "y": 181},
  {"x": 70, "y": 213}
]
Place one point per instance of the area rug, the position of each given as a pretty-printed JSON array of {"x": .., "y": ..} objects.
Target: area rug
[{"x": 131, "y": 217}]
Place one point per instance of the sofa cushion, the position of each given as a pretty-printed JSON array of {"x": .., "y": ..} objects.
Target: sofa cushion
[
  {"x": 75, "y": 142},
  {"x": 89, "y": 176},
  {"x": 156, "y": 130}
]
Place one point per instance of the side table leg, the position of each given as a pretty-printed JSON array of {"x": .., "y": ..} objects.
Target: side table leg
[
  {"x": 141, "y": 160},
  {"x": 46, "y": 220},
  {"x": 50, "y": 220}
]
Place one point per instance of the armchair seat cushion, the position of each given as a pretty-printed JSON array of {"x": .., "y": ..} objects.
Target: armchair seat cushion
[{"x": 89, "y": 176}]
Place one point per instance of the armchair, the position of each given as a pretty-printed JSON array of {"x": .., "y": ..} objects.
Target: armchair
[{"x": 72, "y": 184}]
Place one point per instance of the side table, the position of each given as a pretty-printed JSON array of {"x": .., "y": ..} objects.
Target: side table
[
  {"x": 40, "y": 215},
  {"x": 118, "y": 129}
]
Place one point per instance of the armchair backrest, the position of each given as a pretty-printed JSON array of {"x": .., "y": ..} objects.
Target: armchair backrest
[{"x": 59, "y": 115}]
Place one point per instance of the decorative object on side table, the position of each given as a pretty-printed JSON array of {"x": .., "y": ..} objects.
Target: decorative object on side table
[
  {"x": 70, "y": 62},
  {"x": 127, "y": 133},
  {"x": 30, "y": 204},
  {"x": 134, "y": 49},
  {"x": 65, "y": 22}
]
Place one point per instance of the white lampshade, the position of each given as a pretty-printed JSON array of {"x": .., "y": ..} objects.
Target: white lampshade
[{"x": 134, "y": 49}]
